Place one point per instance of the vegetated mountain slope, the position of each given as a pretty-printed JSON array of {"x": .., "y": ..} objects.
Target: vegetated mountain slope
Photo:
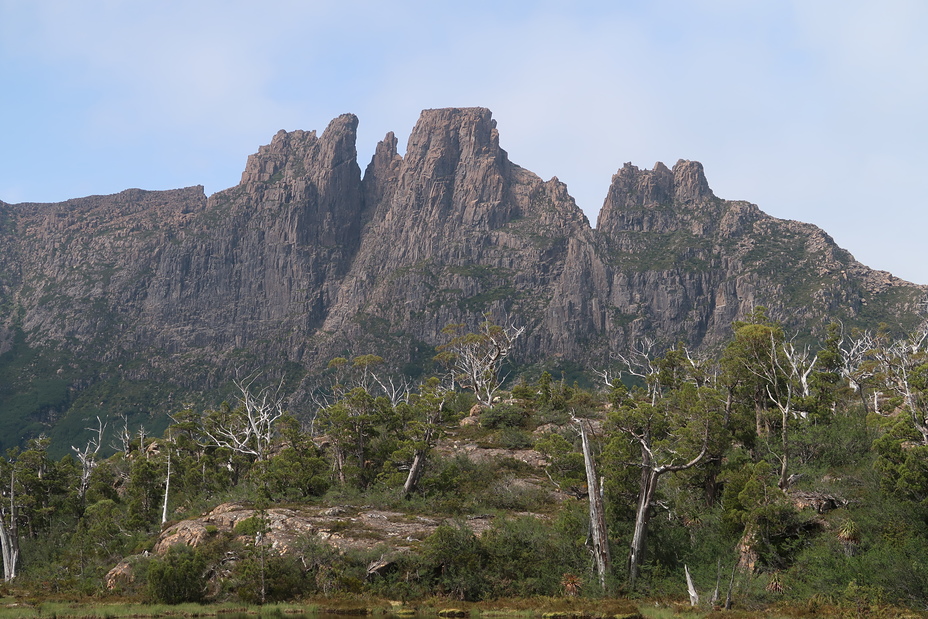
[
  {"x": 684, "y": 261},
  {"x": 133, "y": 303}
]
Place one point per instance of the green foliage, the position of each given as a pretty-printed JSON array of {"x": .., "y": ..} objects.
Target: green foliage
[
  {"x": 297, "y": 471},
  {"x": 512, "y": 438},
  {"x": 519, "y": 553},
  {"x": 178, "y": 577},
  {"x": 902, "y": 460},
  {"x": 457, "y": 558},
  {"x": 730, "y": 507},
  {"x": 250, "y": 526},
  {"x": 565, "y": 462},
  {"x": 503, "y": 416},
  {"x": 283, "y": 578}
]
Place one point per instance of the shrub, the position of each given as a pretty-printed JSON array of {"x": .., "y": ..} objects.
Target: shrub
[
  {"x": 457, "y": 560},
  {"x": 502, "y": 416},
  {"x": 177, "y": 578},
  {"x": 249, "y": 526},
  {"x": 283, "y": 578},
  {"x": 510, "y": 438}
]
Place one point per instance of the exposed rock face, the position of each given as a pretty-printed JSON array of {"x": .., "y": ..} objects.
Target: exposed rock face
[
  {"x": 304, "y": 260},
  {"x": 344, "y": 528}
]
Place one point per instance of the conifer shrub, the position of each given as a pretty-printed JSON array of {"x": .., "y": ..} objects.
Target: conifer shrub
[
  {"x": 180, "y": 576},
  {"x": 502, "y": 416},
  {"x": 282, "y": 578}
]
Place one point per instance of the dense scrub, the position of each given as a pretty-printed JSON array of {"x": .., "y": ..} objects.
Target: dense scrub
[{"x": 771, "y": 471}]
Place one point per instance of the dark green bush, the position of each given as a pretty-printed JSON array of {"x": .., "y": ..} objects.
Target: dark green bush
[
  {"x": 249, "y": 526},
  {"x": 502, "y": 416},
  {"x": 282, "y": 578},
  {"x": 456, "y": 559},
  {"x": 178, "y": 577},
  {"x": 511, "y": 438}
]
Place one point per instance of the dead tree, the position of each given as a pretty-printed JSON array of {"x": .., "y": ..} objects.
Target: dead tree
[
  {"x": 902, "y": 366},
  {"x": 599, "y": 533},
  {"x": 786, "y": 373},
  {"x": 475, "y": 358},
  {"x": 9, "y": 533},
  {"x": 167, "y": 486},
  {"x": 249, "y": 428},
  {"x": 671, "y": 434},
  {"x": 88, "y": 457}
]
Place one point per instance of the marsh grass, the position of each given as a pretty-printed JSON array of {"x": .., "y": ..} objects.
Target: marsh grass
[{"x": 72, "y": 610}]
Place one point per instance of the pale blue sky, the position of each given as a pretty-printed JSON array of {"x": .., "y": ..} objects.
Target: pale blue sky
[{"x": 813, "y": 109}]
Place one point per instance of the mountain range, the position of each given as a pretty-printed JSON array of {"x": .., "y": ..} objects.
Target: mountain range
[{"x": 139, "y": 303}]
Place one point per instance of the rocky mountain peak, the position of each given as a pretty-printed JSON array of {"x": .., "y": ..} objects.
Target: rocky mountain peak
[
  {"x": 293, "y": 153},
  {"x": 454, "y": 171},
  {"x": 689, "y": 183},
  {"x": 655, "y": 199},
  {"x": 382, "y": 172},
  {"x": 304, "y": 260}
]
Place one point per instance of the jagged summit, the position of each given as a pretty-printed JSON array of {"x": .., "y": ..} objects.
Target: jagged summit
[{"x": 305, "y": 260}]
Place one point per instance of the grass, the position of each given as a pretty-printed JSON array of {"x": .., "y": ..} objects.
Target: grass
[
  {"x": 73, "y": 610},
  {"x": 535, "y": 607}
]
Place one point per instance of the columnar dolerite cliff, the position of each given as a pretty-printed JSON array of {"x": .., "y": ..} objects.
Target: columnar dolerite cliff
[{"x": 305, "y": 260}]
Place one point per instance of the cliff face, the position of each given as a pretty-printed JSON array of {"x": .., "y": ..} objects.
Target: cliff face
[{"x": 305, "y": 260}]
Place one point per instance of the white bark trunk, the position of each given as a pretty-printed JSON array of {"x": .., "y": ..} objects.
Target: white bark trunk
[
  {"x": 167, "y": 491},
  {"x": 597, "y": 515},
  {"x": 691, "y": 589},
  {"x": 9, "y": 536},
  {"x": 649, "y": 479}
]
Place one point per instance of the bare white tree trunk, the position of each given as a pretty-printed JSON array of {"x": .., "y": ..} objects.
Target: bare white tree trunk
[
  {"x": 691, "y": 589},
  {"x": 415, "y": 472},
  {"x": 636, "y": 548},
  {"x": 167, "y": 488},
  {"x": 88, "y": 457},
  {"x": 477, "y": 357},
  {"x": 597, "y": 515},
  {"x": 9, "y": 535},
  {"x": 251, "y": 431}
]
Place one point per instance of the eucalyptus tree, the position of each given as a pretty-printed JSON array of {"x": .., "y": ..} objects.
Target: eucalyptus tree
[
  {"x": 902, "y": 366},
  {"x": 475, "y": 358},
  {"x": 349, "y": 425},
  {"x": 430, "y": 413},
  {"x": 248, "y": 428},
  {"x": 663, "y": 429}
]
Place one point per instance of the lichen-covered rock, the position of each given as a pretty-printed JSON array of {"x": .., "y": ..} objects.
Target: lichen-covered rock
[{"x": 121, "y": 575}]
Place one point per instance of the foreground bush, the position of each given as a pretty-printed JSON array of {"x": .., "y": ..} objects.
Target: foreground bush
[{"x": 177, "y": 578}]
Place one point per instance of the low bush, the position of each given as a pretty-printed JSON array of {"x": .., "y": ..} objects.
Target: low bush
[{"x": 178, "y": 577}]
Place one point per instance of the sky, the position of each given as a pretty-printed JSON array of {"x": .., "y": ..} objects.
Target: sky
[{"x": 815, "y": 110}]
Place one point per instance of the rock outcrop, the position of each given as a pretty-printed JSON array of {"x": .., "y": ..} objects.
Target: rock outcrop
[{"x": 143, "y": 299}]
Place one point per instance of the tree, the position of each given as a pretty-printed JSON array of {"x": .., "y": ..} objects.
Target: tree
[
  {"x": 598, "y": 532},
  {"x": 430, "y": 411},
  {"x": 903, "y": 368},
  {"x": 746, "y": 360},
  {"x": 9, "y": 532},
  {"x": 249, "y": 428},
  {"x": 297, "y": 470},
  {"x": 88, "y": 457},
  {"x": 776, "y": 372},
  {"x": 475, "y": 358},
  {"x": 349, "y": 425},
  {"x": 669, "y": 431}
]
